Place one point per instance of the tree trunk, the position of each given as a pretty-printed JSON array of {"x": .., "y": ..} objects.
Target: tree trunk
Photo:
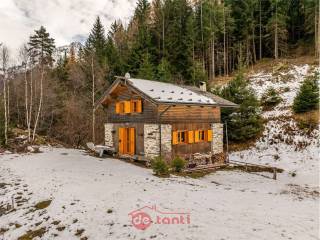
[
  {"x": 224, "y": 42},
  {"x": 254, "y": 46},
  {"x": 240, "y": 57},
  {"x": 40, "y": 104},
  {"x": 31, "y": 104},
  {"x": 8, "y": 101},
  {"x": 26, "y": 94},
  {"x": 260, "y": 32},
  {"x": 213, "y": 62},
  {"x": 5, "y": 109},
  {"x": 276, "y": 36},
  {"x": 93, "y": 101},
  {"x": 247, "y": 52},
  {"x": 5, "y": 59},
  {"x": 162, "y": 33},
  {"x": 227, "y": 55},
  {"x": 202, "y": 41},
  {"x": 318, "y": 32}
]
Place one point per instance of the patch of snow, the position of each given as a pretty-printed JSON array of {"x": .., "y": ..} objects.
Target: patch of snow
[
  {"x": 167, "y": 92},
  {"x": 287, "y": 83}
]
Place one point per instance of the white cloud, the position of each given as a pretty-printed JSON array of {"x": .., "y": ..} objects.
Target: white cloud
[{"x": 65, "y": 20}]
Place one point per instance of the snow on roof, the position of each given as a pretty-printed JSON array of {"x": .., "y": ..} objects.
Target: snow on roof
[{"x": 167, "y": 92}]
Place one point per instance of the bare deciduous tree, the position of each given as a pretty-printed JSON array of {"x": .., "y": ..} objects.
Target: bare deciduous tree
[{"x": 4, "y": 66}]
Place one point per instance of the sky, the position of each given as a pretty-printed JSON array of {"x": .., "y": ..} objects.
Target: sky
[{"x": 65, "y": 20}]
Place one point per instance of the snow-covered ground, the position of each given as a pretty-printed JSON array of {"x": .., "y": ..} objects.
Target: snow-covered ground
[
  {"x": 91, "y": 197},
  {"x": 283, "y": 144},
  {"x": 222, "y": 205}
]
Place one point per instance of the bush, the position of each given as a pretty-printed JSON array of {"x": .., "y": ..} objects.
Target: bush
[
  {"x": 307, "y": 98},
  {"x": 159, "y": 167},
  {"x": 270, "y": 98},
  {"x": 245, "y": 122},
  {"x": 178, "y": 164}
]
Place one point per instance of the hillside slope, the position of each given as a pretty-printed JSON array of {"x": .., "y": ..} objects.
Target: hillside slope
[{"x": 283, "y": 143}]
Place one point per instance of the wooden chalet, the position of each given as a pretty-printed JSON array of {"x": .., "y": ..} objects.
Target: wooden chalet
[{"x": 147, "y": 118}]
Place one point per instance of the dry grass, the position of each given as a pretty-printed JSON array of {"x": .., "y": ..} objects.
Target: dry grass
[
  {"x": 31, "y": 234},
  {"x": 240, "y": 146},
  {"x": 266, "y": 64},
  {"x": 307, "y": 120},
  {"x": 42, "y": 204}
]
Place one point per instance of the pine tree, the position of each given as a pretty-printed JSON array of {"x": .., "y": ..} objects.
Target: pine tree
[
  {"x": 141, "y": 39},
  {"x": 198, "y": 74},
  {"x": 96, "y": 42},
  {"x": 41, "y": 47},
  {"x": 114, "y": 60},
  {"x": 146, "y": 69},
  {"x": 163, "y": 71},
  {"x": 245, "y": 122},
  {"x": 158, "y": 26},
  {"x": 270, "y": 98},
  {"x": 178, "y": 41},
  {"x": 307, "y": 98},
  {"x": 277, "y": 32},
  {"x": 62, "y": 70}
]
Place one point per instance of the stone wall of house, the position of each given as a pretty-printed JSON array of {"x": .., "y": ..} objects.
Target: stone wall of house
[
  {"x": 166, "y": 141},
  {"x": 217, "y": 138},
  {"x": 152, "y": 140},
  {"x": 108, "y": 138}
]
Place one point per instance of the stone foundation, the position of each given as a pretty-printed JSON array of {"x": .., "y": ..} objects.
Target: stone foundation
[
  {"x": 206, "y": 158},
  {"x": 217, "y": 138},
  {"x": 152, "y": 140},
  {"x": 108, "y": 138}
]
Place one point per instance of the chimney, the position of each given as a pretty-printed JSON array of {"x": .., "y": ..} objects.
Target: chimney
[{"x": 203, "y": 86}]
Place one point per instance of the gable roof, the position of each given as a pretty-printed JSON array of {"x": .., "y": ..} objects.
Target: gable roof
[{"x": 168, "y": 93}]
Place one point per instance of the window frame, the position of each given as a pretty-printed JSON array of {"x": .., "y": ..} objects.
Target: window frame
[
  {"x": 121, "y": 107},
  {"x": 202, "y": 133},
  {"x": 135, "y": 106},
  {"x": 179, "y": 137}
]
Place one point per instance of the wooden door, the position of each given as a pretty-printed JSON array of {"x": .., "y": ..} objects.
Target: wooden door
[
  {"x": 132, "y": 137},
  {"x": 127, "y": 141},
  {"x": 122, "y": 140}
]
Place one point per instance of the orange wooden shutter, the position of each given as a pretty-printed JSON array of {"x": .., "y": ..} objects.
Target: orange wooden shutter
[
  {"x": 132, "y": 105},
  {"x": 121, "y": 140},
  {"x": 132, "y": 141},
  {"x": 196, "y": 136},
  {"x": 127, "y": 106},
  {"x": 209, "y": 135},
  {"x": 174, "y": 137},
  {"x": 117, "y": 107},
  {"x": 139, "y": 106},
  {"x": 190, "y": 136}
]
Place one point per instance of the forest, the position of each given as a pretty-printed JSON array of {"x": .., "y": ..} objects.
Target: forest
[{"x": 175, "y": 41}]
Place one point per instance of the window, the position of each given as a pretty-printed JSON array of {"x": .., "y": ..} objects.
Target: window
[
  {"x": 200, "y": 136},
  {"x": 132, "y": 106},
  {"x": 136, "y": 106},
  {"x": 121, "y": 107},
  {"x": 183, "y": 137},
  {"x": 179, "y": 137}
]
